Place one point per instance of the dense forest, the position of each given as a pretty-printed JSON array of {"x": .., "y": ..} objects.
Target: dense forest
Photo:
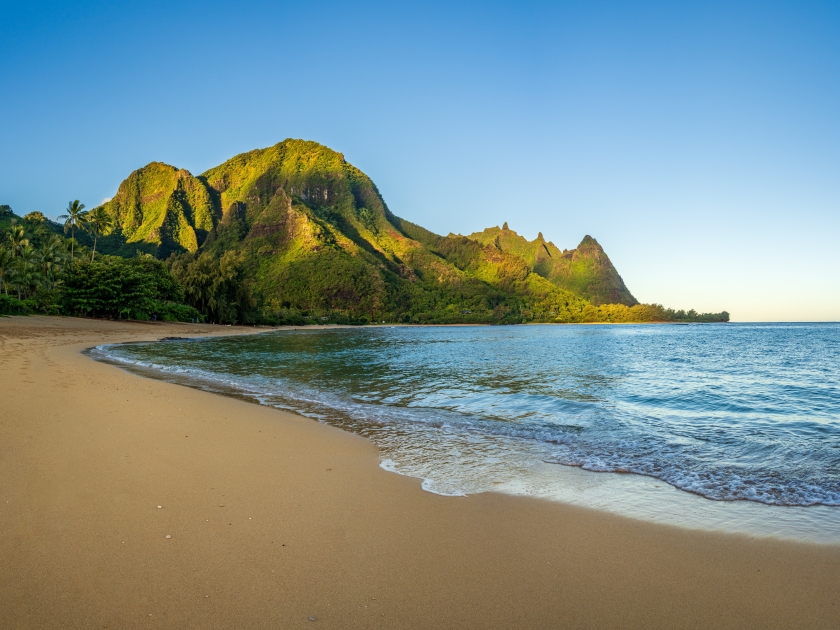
[{"x": 294, "y": 234}]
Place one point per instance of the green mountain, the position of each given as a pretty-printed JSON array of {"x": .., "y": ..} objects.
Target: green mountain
[
  {"x": 585, "y": 271},
  {"x": 162, "y": 209},
  {"x": 317, "y": 236},
  {"x": 295, "y": 231}
]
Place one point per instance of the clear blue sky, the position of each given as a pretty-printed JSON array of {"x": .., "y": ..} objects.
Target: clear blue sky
[{"x": 698, "y": 142}]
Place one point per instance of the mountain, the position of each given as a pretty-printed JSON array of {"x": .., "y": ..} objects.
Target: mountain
[
  {"x": 318, "y": 236},
  {"x": 585, "y": 271},
  {"x": 294, "y": 230},
  {"x": 162, "y": 209}
]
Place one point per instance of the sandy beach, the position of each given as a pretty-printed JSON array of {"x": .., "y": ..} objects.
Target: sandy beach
[{"x": 132, "y": 503}]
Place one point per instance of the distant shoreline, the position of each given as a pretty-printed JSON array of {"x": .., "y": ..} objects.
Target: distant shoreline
[{"x": 267, "y": 327}]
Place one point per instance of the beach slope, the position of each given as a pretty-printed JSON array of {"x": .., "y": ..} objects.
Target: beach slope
[{"x": 133, "y": 503}]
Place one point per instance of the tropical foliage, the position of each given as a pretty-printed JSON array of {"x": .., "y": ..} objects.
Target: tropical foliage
[
  {"x": 215, "y": 286},
  {"x": 97, "y": 222},
  {"x": 38, "y": 274},
  {"x": 75, "y": 217},
  {"x": 120, "y": 288}
]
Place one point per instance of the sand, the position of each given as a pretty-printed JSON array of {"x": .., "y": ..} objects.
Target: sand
[{"x": 269, "y": 519}]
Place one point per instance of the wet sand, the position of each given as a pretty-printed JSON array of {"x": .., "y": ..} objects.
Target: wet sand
[{"x": 274, "y": 519}]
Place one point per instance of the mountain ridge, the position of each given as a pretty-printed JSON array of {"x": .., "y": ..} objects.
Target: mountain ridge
[
  {"x": 586, "y": 270},
  {"x": 305, "y": 231}
]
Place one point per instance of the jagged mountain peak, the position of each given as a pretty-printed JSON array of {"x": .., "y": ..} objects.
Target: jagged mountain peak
[{"x": 586, "y": 270}]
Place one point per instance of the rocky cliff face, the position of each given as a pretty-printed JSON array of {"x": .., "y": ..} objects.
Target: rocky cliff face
[{"x": 585, "y": 271}]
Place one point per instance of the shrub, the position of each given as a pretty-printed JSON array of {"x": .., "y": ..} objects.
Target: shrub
[
  {"x": 139, "y": 288},
  {"x": 10, "y": 305}
]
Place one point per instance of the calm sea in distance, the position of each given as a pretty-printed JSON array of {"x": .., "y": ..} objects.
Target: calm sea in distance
[{"x": 724, "y": 426}]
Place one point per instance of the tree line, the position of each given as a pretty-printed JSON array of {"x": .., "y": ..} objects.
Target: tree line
[
  {"x": 44, "y": 269},
  {"x": 52, "y": 268}
]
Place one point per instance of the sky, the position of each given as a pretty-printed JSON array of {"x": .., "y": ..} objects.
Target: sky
[{"x": 698, "y": 142}]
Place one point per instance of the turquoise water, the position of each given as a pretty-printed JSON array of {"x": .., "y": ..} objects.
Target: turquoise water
[{"x": 734, "y": 413}]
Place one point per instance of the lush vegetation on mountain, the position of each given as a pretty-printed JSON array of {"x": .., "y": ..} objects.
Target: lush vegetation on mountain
[
  {"x": 294, "y": 234},
  {"x": 159, "y": 209},
  {"x": 585, "y": 271}
]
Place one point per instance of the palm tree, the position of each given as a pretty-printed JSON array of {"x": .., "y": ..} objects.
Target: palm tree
[
  {"x": 24, "y": 269},
  {"x": 75, "y": 216},
  {"x": 17, "y": 239},
  {"x": 98, "y": 222},
  {"x": 5, "y": 262},
  {"x": 53, "y": 255}
]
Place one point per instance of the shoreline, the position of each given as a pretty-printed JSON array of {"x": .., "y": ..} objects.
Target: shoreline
[
  {"x": 312, "y": 526},
  {"x": 633, "y": 495}
]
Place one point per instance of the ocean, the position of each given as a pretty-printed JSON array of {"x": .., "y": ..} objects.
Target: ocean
[{"x": 731, "y": 427}]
